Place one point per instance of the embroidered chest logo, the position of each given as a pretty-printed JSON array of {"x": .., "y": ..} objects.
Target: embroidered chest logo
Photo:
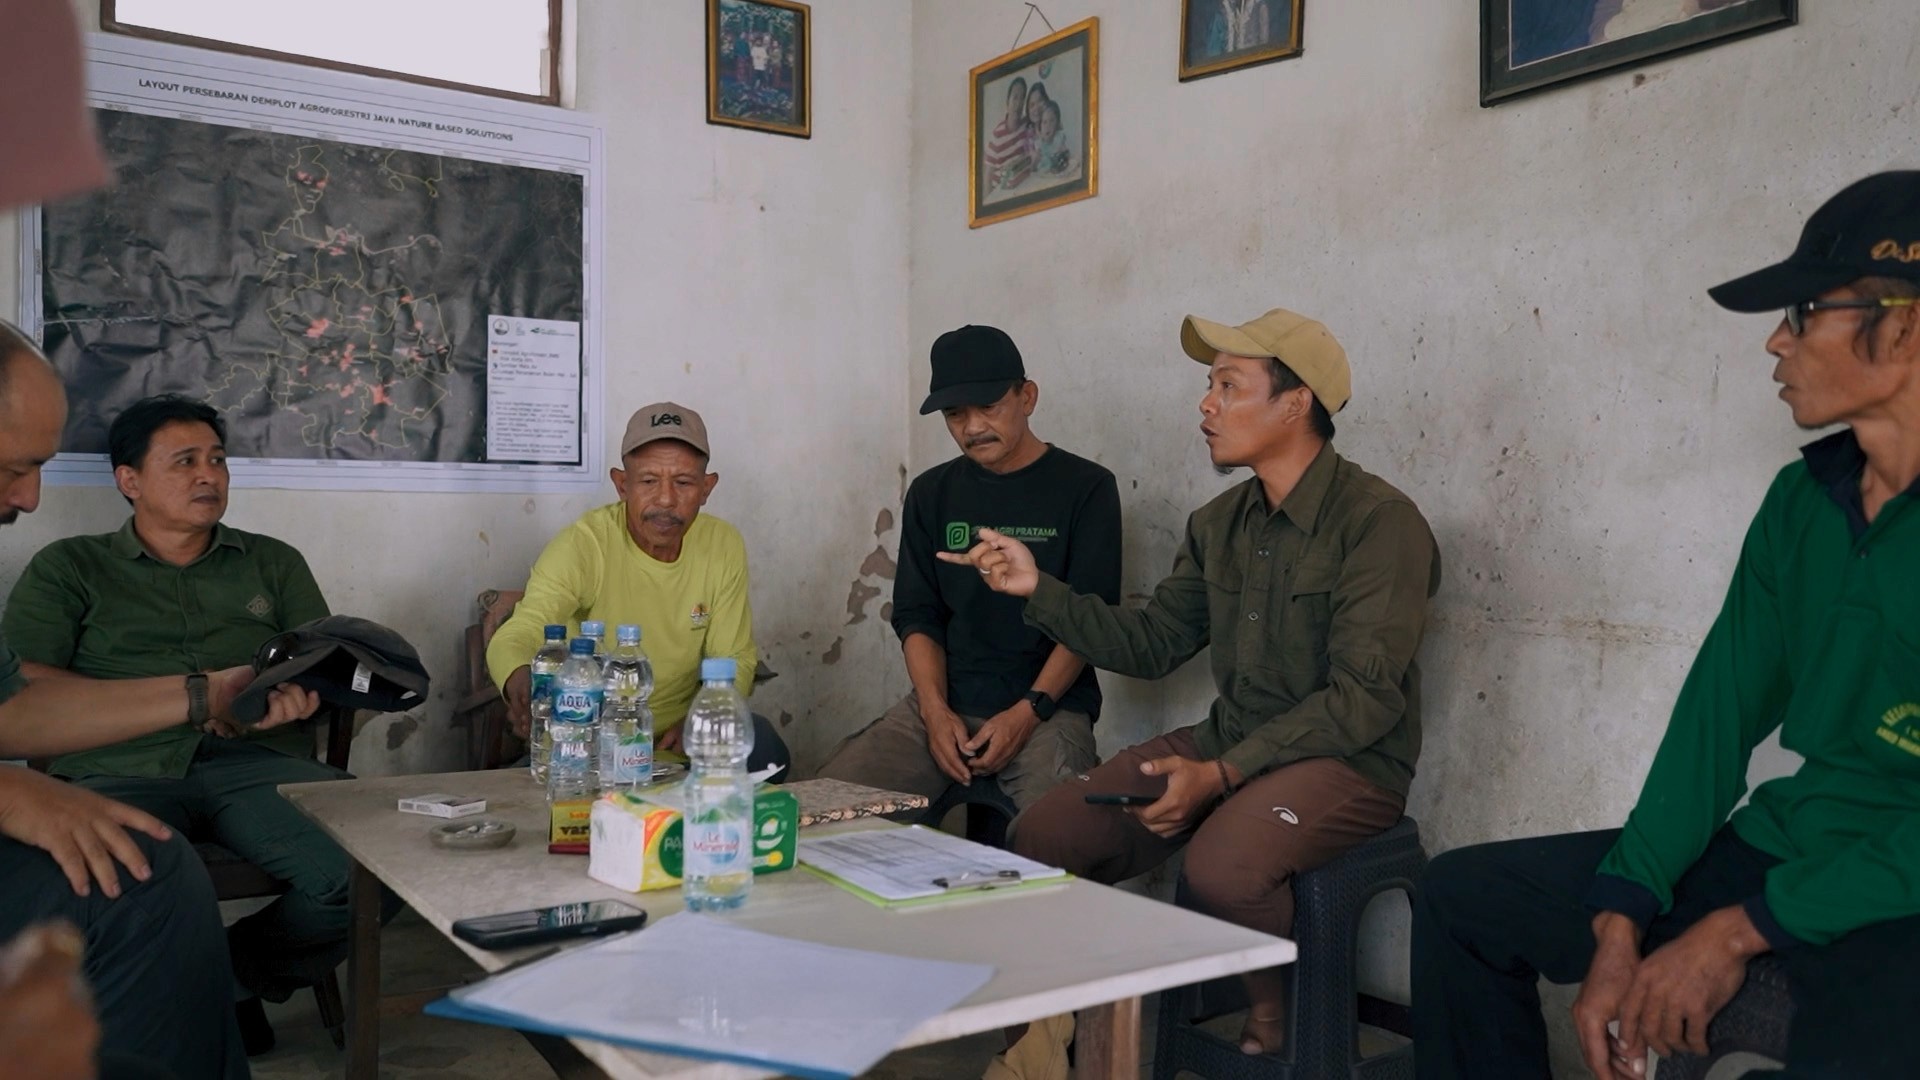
[
  {"x": 1900, "y": 727},
  {"x": 260, "y": 606},
  {"x": 699, "y": 616},
  {"x": 959, "y": 536}
]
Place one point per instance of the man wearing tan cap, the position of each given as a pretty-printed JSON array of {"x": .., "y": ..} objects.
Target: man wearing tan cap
[
  {"x": 654, "y": 559},
  {"x": 1310, "y": 580}
]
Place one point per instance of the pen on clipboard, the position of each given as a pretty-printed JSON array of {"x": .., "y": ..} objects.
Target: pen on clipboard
[{"x": 977, "y": 881}]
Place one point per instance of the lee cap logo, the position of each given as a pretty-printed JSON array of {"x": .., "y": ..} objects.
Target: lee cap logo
[{"x": 665, "y": 420}]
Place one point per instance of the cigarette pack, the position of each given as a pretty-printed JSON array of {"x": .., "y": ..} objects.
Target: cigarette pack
[{"x": 446, "y": 806}]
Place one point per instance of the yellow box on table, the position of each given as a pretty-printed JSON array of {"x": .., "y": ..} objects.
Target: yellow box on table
[{"x": 638, "y": 846}]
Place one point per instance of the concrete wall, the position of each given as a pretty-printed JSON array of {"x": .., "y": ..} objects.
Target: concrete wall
[
  {"x": 1522, "y": 293},
  {"x": 760, "y": 279}
]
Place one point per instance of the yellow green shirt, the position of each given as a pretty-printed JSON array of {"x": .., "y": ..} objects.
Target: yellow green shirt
[{"x": 689, "y": 609}]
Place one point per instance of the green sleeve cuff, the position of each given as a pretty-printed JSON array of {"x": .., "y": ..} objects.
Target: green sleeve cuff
[
  {"x": 1048, "y": 604},
  {"x": 1250, "y": 758}
]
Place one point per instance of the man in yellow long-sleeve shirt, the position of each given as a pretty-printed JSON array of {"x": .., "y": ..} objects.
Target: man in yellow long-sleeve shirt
[{"x": 653, "y": 559}]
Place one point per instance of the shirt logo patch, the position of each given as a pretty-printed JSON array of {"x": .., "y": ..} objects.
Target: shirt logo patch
[
  {"x": 959, "y": 535},
  {"x": 699, "y": 616},
  {"x": 1901, "y": 727},
  {"x": 260, "y": 606}
]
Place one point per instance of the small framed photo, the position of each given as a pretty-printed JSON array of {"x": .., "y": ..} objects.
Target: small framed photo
[
  {"x": 1225, "y": 35},
  {"x": 760, "y": 65},
  {"x": 1033, "y": 126},
  {"x": 1529, "y": 45}
]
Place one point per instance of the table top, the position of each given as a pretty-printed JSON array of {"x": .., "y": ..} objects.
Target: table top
[{"x": 1054, "y": 950}]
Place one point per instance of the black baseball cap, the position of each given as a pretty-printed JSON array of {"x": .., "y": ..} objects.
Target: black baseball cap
[
  {"x": 347, "y": 661},
  {"x": 1872, "y": 229},
  {"x": 974, "y": 365}
]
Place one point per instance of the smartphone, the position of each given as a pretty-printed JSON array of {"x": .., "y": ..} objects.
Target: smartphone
[
  {"x": 1099, "y": 799},
  {"x": 589, "y": 918}
]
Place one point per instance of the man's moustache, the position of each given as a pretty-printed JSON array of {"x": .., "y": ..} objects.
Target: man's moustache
[
  {"x": 9, "y": 517},
  {"x": 665, "y": 519}
]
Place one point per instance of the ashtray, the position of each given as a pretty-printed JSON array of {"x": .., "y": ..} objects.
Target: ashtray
[{"x": 476, "y": 834}]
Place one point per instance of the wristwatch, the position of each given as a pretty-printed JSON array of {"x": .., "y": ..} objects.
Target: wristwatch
[
  {"x": 198, "y": 711},
  {"x": 1043, "y": 704}
]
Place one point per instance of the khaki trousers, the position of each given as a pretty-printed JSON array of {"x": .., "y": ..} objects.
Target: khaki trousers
[
  {"x": 1242, "y": 856},
  {"x": 891, "y": 753}
]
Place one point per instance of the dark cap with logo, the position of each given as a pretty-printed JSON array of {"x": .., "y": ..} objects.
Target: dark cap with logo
[
  {"x": 665, "y": 420},
  {"x": 1872, "y": 229},
  {"x": 974, "y": 365},
  {"x": 347, "y": 661}
]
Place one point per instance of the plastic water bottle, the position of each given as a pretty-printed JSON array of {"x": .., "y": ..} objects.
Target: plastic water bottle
[
  {"x": 719, "y": 820},
  {"x": 546, "y": 665},
  {"x": 596, "y": 630},
  {"x": 576, "y": 725},
  {"x": 626, "y": 724}
]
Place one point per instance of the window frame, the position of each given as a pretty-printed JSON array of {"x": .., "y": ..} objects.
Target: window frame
[{"x": 555, "y": 34}]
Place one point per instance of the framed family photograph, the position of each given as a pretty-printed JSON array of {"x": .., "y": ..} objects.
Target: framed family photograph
[
  {"x": 1226, "y": 35},
  {"x": 1033, "y": 126},
  {"x": 760, "y": 65},
  {"x": 1529, "y": 45}
]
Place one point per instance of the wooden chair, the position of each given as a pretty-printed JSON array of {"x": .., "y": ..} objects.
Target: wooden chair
[
  {"x": 234, "y": 878},
  {"x": 491, "y": 743}
]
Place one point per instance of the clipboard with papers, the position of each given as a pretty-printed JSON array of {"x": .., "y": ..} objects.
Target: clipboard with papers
[{"x": 919, "y": 865}]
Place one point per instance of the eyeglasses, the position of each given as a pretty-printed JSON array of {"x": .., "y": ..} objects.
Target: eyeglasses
[{"x": 1797, "y": 313}]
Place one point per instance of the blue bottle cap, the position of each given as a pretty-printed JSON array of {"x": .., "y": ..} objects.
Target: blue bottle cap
[
  {"x": 594, "y": 628},
  {"x": 718, "y": 668},
  {"x": 628, "y": 634},
  {"x": 556, "y": 632},
  {"x": 582, "y": 646}
]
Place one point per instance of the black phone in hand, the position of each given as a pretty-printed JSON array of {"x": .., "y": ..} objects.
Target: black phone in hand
[{"x": 1099, "y": 799}]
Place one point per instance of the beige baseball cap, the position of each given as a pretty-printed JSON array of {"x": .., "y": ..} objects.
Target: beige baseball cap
[
  {"x": 1302, "y": 344},
  {"x": 665, "y": 420}
]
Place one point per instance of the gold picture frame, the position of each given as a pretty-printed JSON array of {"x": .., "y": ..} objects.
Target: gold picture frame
[
  {"x": 1051, "y": 155},
  {"x": 760, "y": 66},
  {"x": 1218, "y": 36}
]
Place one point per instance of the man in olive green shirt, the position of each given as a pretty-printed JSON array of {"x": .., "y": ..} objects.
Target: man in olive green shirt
[
  {"x": 1311, "y": 582},
  {"x": 173, "y": 592}
]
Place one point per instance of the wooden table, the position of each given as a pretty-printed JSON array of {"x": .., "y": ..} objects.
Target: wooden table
[{"x": 1081, "y": 947}]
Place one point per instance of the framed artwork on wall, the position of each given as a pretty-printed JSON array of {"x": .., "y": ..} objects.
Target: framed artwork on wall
[
  {"x": 1529, "y": 45},
  {"x": 760, "y": 65},
  {"x": 1226, "y": 35},
  {"x": 1033, "y": 126}
]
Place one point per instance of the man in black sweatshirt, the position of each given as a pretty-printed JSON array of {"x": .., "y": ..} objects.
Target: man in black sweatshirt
[{"x": 991, "y": 695}]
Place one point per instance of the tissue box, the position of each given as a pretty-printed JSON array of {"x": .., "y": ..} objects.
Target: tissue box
[{"x": 638, "y": 846}]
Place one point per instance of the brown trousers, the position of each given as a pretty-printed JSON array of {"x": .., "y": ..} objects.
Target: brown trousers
[{"x": 1242, "y": 856}]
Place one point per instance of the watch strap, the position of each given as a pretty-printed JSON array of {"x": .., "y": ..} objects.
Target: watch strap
[{"x": 199, "y": 712}]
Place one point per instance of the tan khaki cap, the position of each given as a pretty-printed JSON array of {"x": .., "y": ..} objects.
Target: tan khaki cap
[
  {"x": 1305, "y": 346},
  {"x": 665, "y": 420}
]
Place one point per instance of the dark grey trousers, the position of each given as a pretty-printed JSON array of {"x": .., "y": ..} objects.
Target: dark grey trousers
[{"x": 156, "y": 958}]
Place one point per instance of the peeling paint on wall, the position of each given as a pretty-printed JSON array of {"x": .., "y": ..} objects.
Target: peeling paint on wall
[
  {"x": 401, "y": 730},
  {"x": 858, "y": 595},
  {"x": 879, "y": 564},
  {"x": 883, "y": 523},
  {"x": 832, "y": 655},
  {"x": 886, "y": 612}
]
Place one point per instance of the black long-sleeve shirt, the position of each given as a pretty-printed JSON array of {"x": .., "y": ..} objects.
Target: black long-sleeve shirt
[{"x": 1065, "y": 508}]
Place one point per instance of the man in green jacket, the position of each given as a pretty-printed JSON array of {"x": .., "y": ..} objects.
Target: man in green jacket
[
  {"x": 1818, "y": 639},
  {"x": 1310, "y": 580}
]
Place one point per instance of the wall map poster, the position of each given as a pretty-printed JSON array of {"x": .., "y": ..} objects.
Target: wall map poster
[{"x": 324, "y": 258}]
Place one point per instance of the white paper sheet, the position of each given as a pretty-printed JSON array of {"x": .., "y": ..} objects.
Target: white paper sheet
[
  {"x": 533, "y": 390},
  {"x": 905, "y": 864},
  {"x": 700, "y": 985}
]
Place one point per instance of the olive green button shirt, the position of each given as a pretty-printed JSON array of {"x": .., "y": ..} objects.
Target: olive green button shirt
[
  {"x": 104, "y": 608},
  {"x": 11, "y": 681},
  {"x": 1314, "y": 612}
]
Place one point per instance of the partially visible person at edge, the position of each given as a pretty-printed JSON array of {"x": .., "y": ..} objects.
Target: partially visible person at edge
[
  {"x": 1818, "y": 641},
  {"x": 1311, "y": 582},
  {"x": 655, "y": 560}
]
